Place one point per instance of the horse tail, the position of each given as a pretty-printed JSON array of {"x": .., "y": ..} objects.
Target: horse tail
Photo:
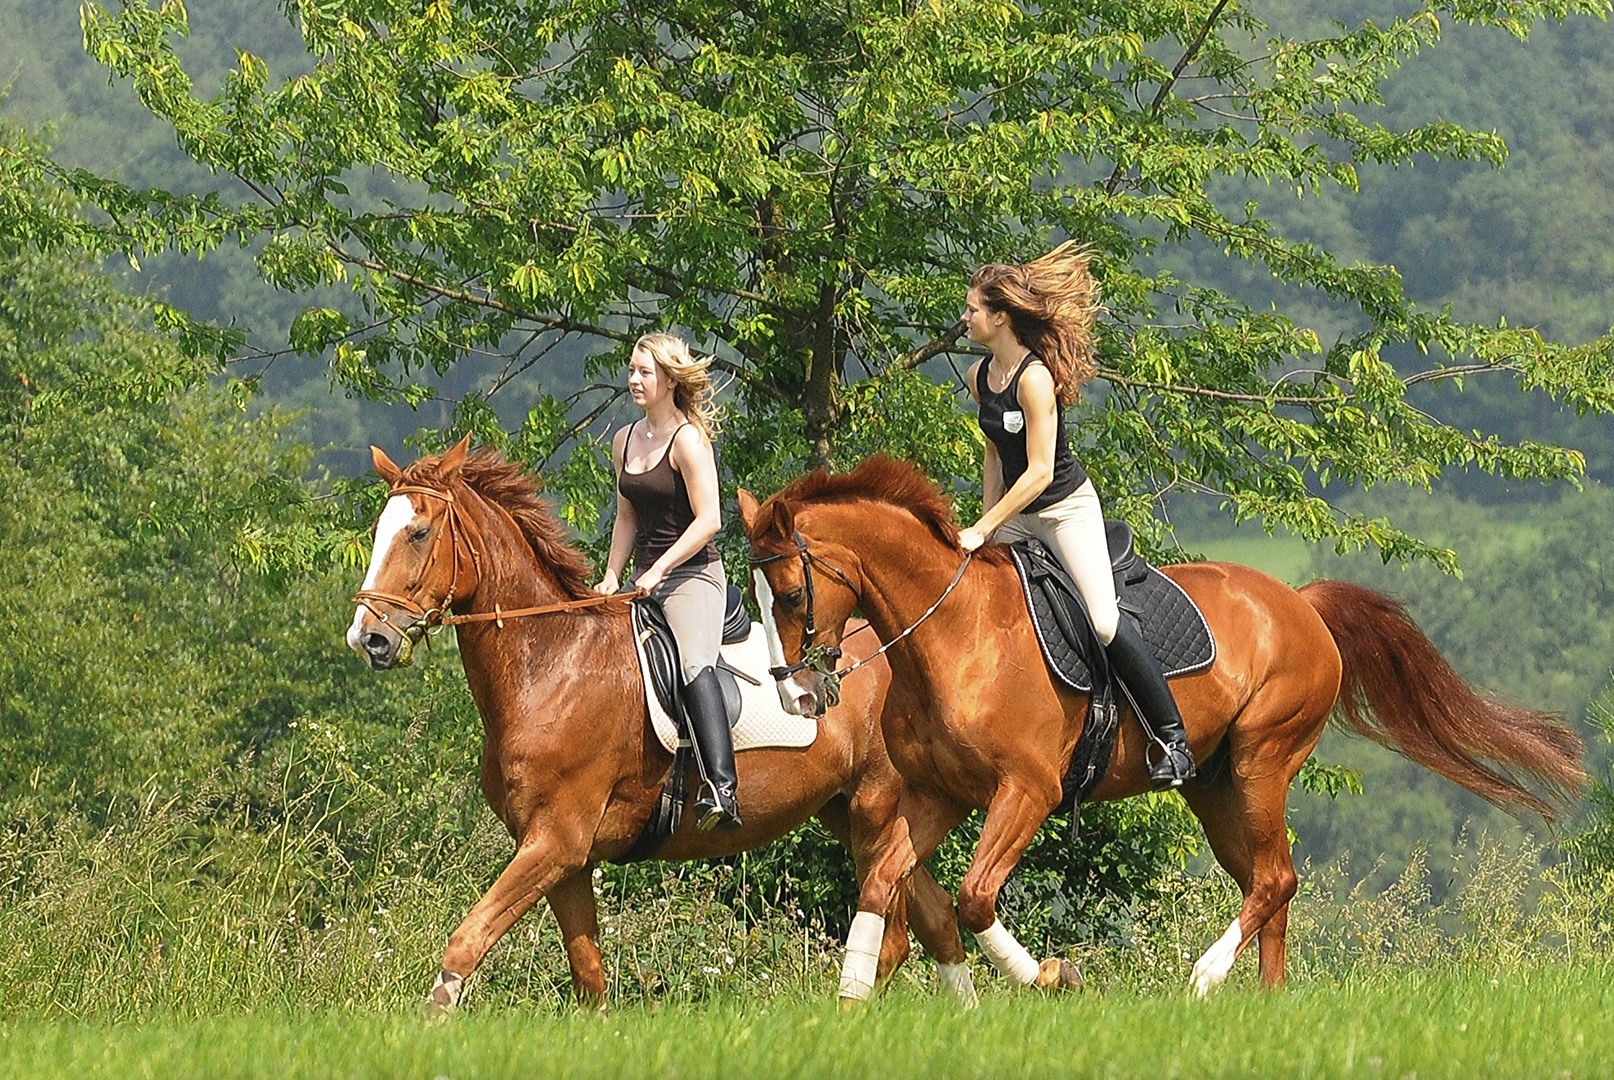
[{"x": 1400, "y": 692}]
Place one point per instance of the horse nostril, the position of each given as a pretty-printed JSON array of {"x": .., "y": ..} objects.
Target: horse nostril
[{"x": 376, "y": 644}]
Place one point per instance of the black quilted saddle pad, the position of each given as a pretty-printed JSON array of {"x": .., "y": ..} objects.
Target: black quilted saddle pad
[{"x": 1173, "y": 626}]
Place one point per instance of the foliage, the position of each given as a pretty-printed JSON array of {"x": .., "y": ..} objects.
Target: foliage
[
  {"x": 132, "y": 642},
  {"x": 805, "y": 190}
]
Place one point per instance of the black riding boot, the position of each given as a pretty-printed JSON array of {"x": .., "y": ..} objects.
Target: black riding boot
[
  {"x": 715, "y": 806},
  {"x": 1157, "y": 709}
]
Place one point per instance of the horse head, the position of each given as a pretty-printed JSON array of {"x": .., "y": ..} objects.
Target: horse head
[
  {"x": 422, "y": 561},
  {"x": 805, "y": 598}
]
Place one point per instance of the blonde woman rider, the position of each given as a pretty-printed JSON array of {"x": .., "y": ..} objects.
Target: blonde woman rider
[
  {"x": 666, "y": 517},
  {"x": 1037, "y": 320}
]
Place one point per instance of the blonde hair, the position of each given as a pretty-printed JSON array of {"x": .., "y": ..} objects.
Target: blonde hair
[
  {"x": 692, "y": 380},
  {"x": 1052, "y": 303}
]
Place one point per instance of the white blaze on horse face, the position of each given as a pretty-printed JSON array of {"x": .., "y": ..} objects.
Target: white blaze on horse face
[
  {"x": 395, "y": 518},
  {"x": 1211, "y": 970},
  {"x": 793, "y": 697}
]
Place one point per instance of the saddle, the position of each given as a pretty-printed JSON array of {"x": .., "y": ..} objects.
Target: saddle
[
  {"x": 1172, "y": 626},
  {"x": 661, "y": 655},
  {"x": 662, "y": 672}
]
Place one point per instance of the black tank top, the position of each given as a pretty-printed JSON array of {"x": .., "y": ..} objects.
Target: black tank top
[
  {"x": 661, "y": 509},
  {"x": 998, "y": 409}
]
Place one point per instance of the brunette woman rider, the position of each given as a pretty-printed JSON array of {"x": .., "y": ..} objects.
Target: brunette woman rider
[
  {"x": 666, "y": 517},
  {"x": 1037, "y": 319}
]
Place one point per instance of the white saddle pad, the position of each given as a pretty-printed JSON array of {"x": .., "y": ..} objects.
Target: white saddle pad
[{"x": 763, "y": 721}]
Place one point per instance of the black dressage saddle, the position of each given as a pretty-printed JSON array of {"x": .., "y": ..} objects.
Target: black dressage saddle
[
  {"x": 1172, "y": 625},
  {"x": 662, "y": 672}
]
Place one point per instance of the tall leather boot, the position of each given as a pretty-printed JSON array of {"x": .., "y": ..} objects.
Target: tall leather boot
[
  {"x": 715, "y": 806},
  {"x": 1157, "y": 709}
]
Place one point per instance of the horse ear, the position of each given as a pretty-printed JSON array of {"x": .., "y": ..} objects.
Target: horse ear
[
  {"x": 384, "y": 466},
  {"x": 454, "y": 459},
  {"x": 748, "y": 510},
  {"x": 783, "y": 521}
]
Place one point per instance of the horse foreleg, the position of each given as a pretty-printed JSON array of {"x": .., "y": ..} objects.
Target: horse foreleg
[
  {"x": 935, "y": 924},
  {"x": 912, "y": 833},
  {"x": 532, "y": 872},
  {"x": 918, "y": 902},
  {"x": 1273, "y": 941},
  {"x": 577, "y": 916},
  {"x": 1011, "y": 821}
]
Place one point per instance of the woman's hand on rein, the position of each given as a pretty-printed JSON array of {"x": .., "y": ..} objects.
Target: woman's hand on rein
[
  {"x": 608, "y": 584},
  {"x": 971, "y": 538}
]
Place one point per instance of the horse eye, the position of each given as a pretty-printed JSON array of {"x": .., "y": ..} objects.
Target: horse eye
[
  {"x": 419, "y": 533},
  {"x": 791, "y": 599}
]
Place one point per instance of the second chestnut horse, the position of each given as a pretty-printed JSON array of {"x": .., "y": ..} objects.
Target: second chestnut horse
[{"x": 975, "y": 720}]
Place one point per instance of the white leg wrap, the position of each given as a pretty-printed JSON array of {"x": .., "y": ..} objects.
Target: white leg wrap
[
  {"x": 1211, "y": 970},
  {"x": 862, "y": 956},
  {"x": 1007, "y": 955},
  {"x": 957, "y": 978}
]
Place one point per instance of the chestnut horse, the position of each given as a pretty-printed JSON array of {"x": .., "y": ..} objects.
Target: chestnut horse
[
  {"x": 974, "y": 719},
  {"x": 569, "y": 763}
]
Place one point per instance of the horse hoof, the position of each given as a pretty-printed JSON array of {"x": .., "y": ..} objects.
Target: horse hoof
[
  {"x": 1057, "y": 974},
  {"x": 444, "y": 998}
]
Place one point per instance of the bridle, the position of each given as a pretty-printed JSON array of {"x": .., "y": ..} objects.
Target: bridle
[
  {"x": 820, "y": 659},
  {"x": 428, "y": 620}
]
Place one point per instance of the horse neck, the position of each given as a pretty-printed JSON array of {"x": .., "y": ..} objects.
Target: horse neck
[
  {"x": 510, "y": 573},
  {"x": 559, "y": 691},
  {"x": 906, "y": 568},
  {"x": 512, "y": 576}
]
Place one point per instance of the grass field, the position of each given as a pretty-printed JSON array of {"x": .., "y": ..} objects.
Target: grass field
[
  {"x": 1542, "y": 1021},
  {"x": 1284, "y": 556}
]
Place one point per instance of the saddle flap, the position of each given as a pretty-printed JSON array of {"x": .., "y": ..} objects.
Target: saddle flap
[
  {"x": 660, "y": 651},
  {"x": 663, "y": 669},
  {"x": 736, "y": 621}
]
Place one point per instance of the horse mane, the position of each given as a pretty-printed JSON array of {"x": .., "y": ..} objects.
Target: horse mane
[
  {"x": 881, "y": 478},
  {"x": 508, "y": 486}
]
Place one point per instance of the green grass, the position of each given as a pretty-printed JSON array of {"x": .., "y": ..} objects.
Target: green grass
[
  {"x": 1284, "y": 556},
  {"x": 1536, "y": 1021}
]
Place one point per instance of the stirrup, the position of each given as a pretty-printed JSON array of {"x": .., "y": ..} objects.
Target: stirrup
[
  {"x": 1175, "y": 766},
  {"x": 713, "y": 811}
]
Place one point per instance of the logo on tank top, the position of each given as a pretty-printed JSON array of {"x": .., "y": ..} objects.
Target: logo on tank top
[{"x": 1014, "y": 422}]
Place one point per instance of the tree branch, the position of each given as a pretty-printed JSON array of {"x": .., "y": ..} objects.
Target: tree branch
[{"x": 1165, "y": 87}]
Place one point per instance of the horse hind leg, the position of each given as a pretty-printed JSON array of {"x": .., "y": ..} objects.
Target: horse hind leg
[{"x": 1244, "y": 822}]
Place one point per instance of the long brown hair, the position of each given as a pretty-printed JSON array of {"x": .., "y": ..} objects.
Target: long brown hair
[{"x": 1051, "y": 302}]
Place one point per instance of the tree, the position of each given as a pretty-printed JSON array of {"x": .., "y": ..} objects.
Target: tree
[
  {"x": 137, "y": 644},
  {"x": 805, "y": 188}
]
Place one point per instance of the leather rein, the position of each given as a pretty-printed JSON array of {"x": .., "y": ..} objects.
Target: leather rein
[
  {"x": 428, "y": 619},
  {"x": 821, "y": 658}
]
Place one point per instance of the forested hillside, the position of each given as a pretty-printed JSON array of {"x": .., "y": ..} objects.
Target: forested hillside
[{"x": 1530, "y": 239}]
